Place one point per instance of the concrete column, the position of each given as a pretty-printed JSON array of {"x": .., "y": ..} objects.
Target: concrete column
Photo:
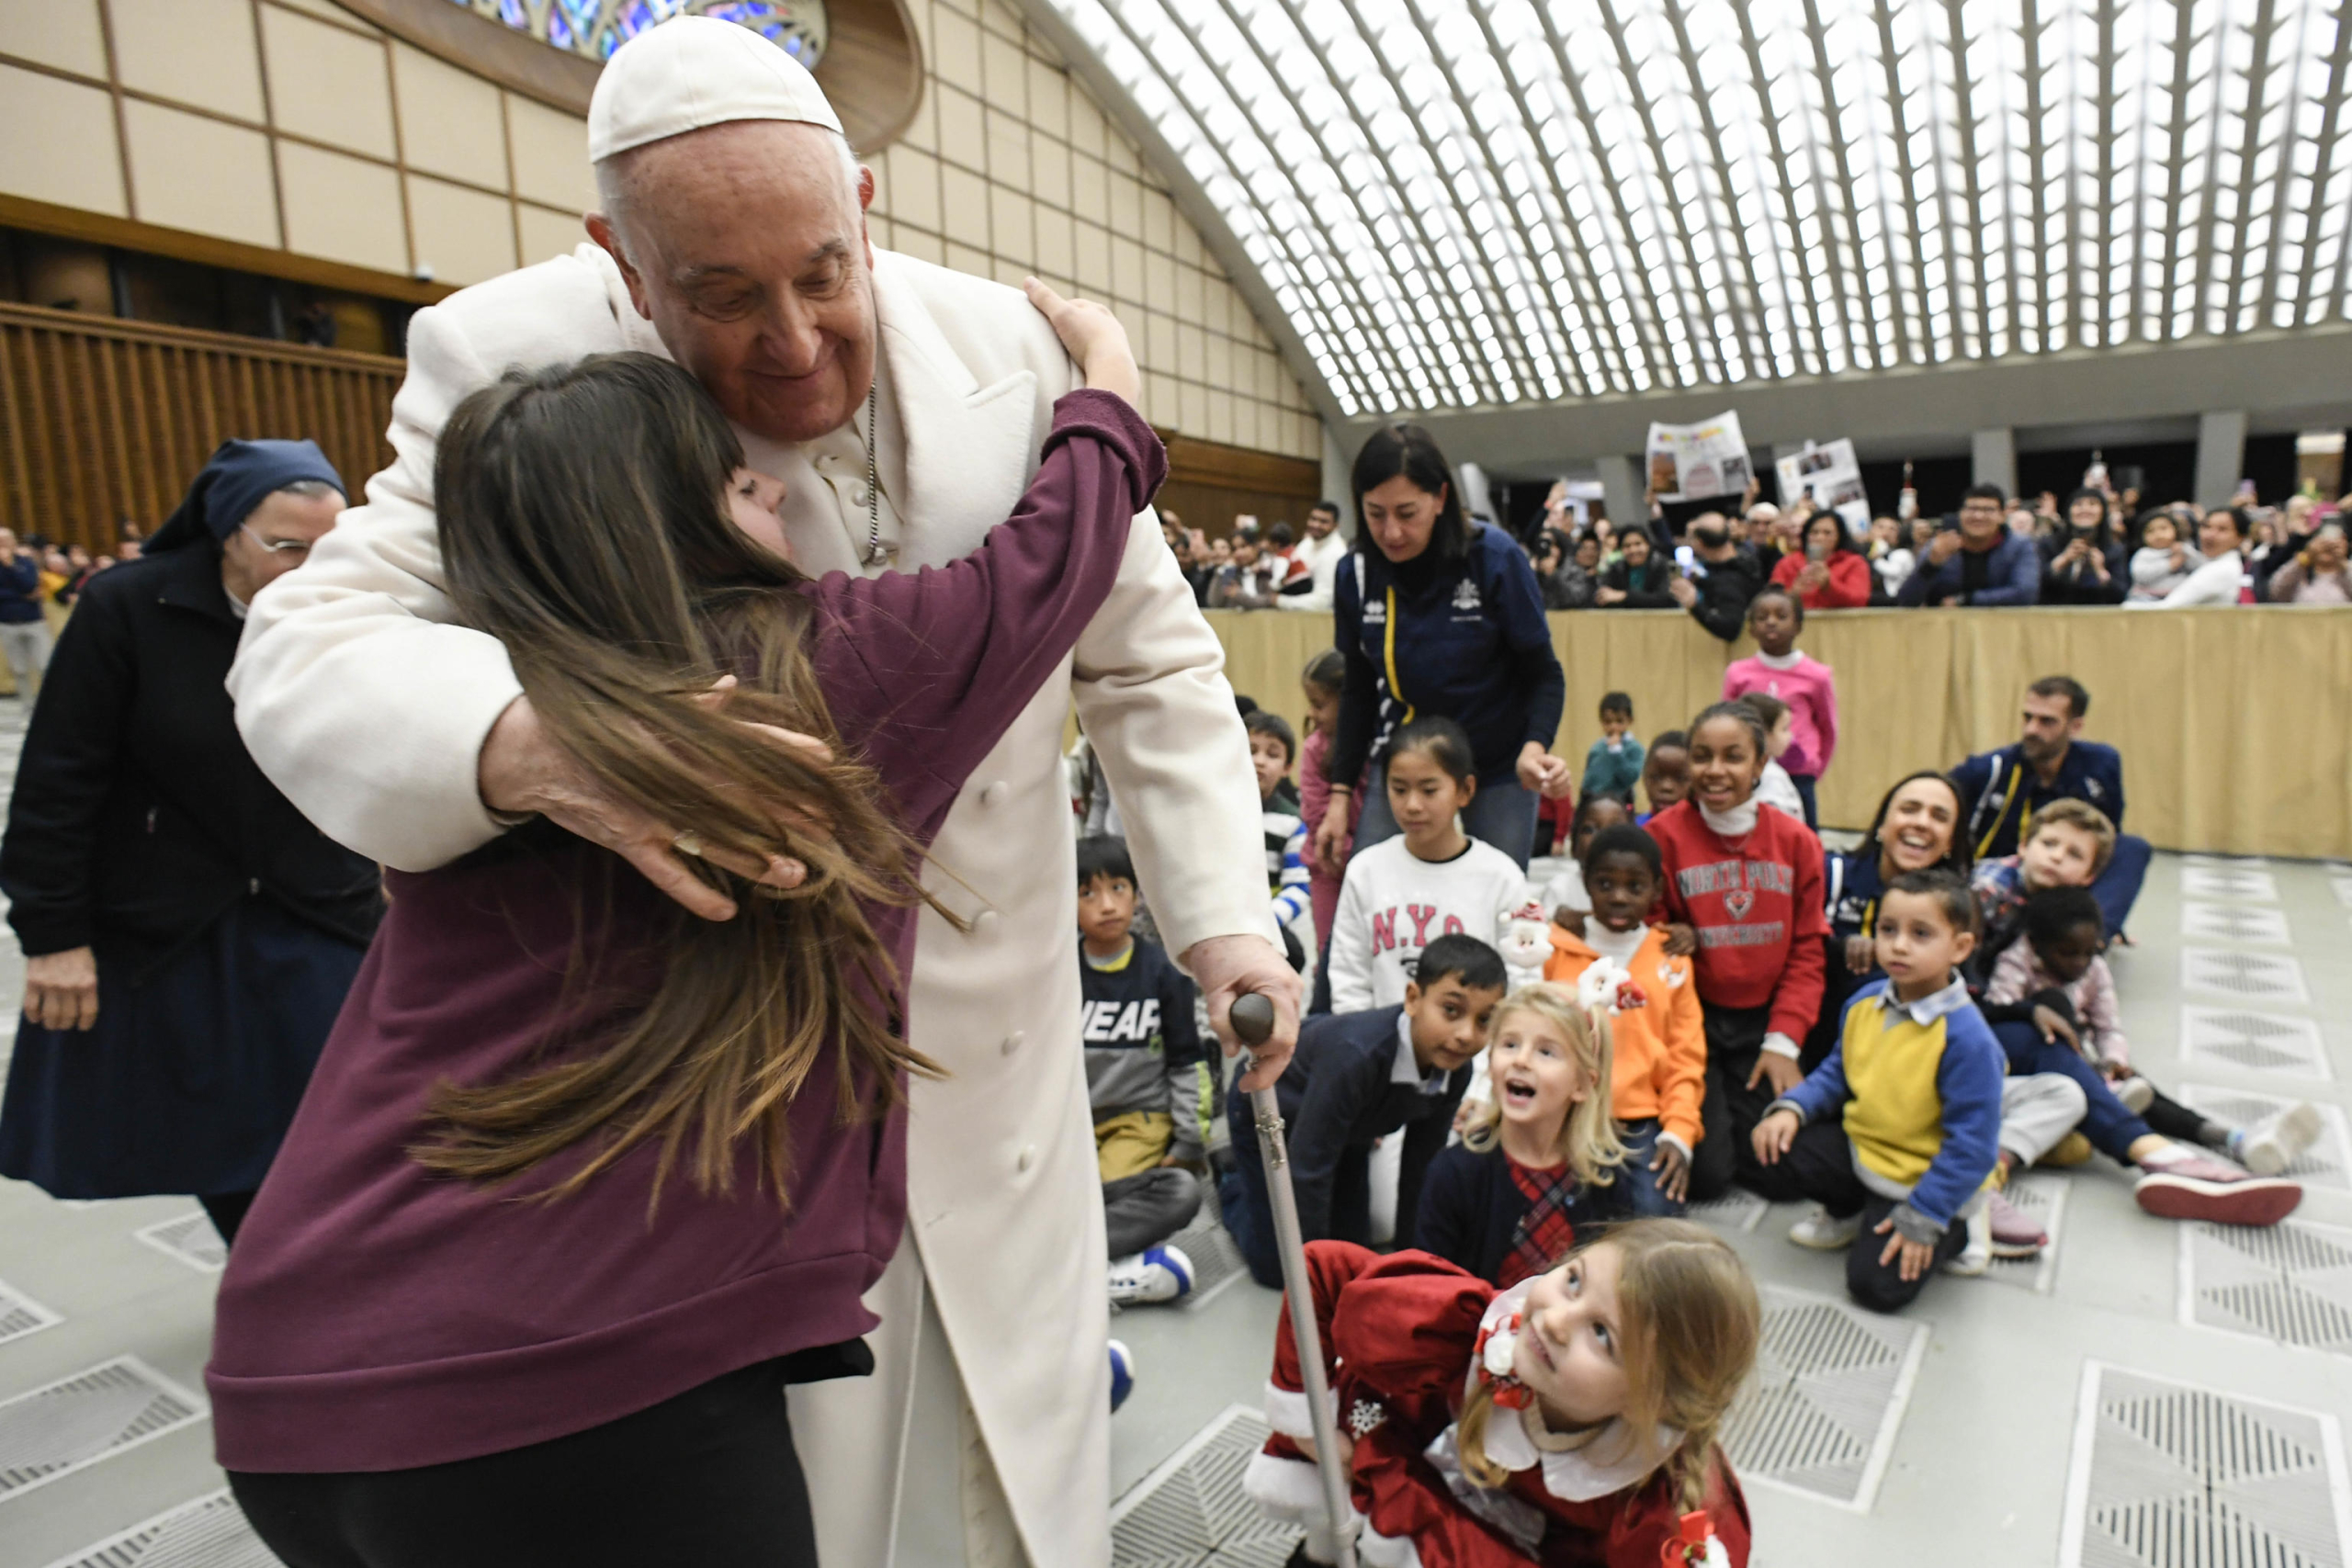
[
  {"x": 2220, "y": 455},
  {"x": 1994, "y": 459},
  {"x": 1621, "y": 490}
]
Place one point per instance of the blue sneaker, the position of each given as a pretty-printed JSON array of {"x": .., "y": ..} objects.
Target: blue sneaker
[
  {"x": 1155, "y": 1274},
  {"x": 1123, "y": 1374}
]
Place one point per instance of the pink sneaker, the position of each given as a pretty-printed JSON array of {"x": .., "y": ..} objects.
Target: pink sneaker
[
  {"x": 2014, "y": 1233},
  {"x": 2182, "y": 1184}
]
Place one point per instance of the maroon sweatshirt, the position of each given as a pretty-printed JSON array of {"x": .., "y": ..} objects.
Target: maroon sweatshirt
[{"x": 375, "y": 1316}]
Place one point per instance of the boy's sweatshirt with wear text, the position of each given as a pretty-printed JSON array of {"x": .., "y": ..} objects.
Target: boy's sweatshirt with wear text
[
  {"x": 1143, "y": 1048},
  {"x": 1754, "y": 899},
  {"x": 1919, "y": 1087},
  {"x": 1394, "y": 904}
]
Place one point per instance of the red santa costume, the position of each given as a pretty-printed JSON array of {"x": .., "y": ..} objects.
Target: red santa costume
[{"x": 1402, "y": 1336}]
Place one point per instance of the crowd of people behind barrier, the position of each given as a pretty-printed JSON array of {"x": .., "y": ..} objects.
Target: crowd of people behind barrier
[{"x": 2096, "y": 547}]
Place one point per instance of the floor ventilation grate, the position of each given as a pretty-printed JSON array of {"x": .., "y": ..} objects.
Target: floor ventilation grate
[
  {"x": 2327, "y": 1163},
  {"x": 1191, "y": 1511},
  {"x": 2228, "y": 882},
  {"x": 2291, "y": 1283},
  {"x": 207, "y": 1533},
  {"x": 2253, "y": 1042},
  {"x": 80, "y": 1420},
  {"x": 2167, "y": 1475},
  {"x": 2233, "y": 922},
  {"x": 191, "y": 1239},
  {"x": 1820, "y": 1412},
  {"x": 2044, "y": 1197},
  {"x": 2255, "y": 976},
  {"x": 21, "y": 1314},
  {"x": 1735, "y": 1211}
]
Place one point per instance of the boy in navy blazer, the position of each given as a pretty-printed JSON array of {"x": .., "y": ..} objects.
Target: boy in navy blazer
[{"x": 1358, "y": 1076}]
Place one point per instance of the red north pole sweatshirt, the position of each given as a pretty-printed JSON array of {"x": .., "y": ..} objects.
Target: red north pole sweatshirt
[{"x": 1757, "y": 904}]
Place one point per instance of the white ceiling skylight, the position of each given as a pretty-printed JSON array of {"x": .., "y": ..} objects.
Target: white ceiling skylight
[{"x": 1461, "y": 202}]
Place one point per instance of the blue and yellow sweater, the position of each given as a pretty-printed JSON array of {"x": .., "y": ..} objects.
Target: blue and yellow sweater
[{"x": 1920, "y": 1087}]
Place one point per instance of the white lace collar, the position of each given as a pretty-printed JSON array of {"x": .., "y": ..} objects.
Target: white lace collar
[{"x": 1594, "y": 1469}]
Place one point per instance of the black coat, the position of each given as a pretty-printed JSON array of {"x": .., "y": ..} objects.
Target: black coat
[
  {"x": 139, "y": 818},
  {"x": 1725, "y": 592}
]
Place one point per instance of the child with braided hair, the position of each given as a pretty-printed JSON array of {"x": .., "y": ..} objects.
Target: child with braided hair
[{"x": 1573, "y": 1417}]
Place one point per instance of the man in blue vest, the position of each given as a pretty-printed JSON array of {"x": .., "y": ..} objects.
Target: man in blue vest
[{"x": 2003, "y": 789}]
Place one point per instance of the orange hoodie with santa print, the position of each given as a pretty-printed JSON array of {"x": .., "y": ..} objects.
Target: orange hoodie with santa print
[{"x": 1657, "y": 1035}]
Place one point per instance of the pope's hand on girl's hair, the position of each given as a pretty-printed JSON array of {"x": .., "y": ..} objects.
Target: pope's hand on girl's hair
[{"x": 523, "y": 769}]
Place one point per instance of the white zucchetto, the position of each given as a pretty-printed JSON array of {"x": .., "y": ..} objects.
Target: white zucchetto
[{"x": 691, "y": 72}]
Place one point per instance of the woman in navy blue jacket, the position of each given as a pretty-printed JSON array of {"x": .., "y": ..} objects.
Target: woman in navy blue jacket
[{"x": 1438, "y": 617}]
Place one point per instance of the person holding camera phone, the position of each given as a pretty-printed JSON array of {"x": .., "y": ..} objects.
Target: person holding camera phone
[
  {"x": 1717, "y": 576},
  {"x": 1974, "y": 559},
  {"x": 2084, "y": 560}
]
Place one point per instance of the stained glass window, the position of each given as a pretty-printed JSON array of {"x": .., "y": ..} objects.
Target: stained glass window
[{"x": 597, "y": 27}]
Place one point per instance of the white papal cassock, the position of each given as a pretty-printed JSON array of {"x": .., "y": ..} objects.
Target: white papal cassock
[{"x": 369, "y": 710}]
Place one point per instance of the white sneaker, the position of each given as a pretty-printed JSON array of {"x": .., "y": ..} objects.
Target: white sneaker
[
  {"x": 1823, "y": 1232},
  {"x": 2270, "y": 1146},
  {"x": 2136, "y": 1093},
  {"x": 1155, "y": 1274},
  {"x": 1976, "y": 1256}
]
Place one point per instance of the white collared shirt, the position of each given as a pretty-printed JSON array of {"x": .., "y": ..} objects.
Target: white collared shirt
[
  {"x": 1931, "y": 1007},
  {"x": 1407, "y": 1066},
  {"x": 825, "y": 496}
]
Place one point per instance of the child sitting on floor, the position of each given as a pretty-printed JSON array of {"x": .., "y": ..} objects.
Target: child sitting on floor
[
  {"x": 1146, "y": 1080},
  {"x": 1543, "y": 1157},
  {"x": 2051, "y": 1004},
  {"x": 1898, "y": 1135},
  {"x": 1666, "y": 774},
  {"x": 1776, "y": 788},
  {"x": 1565, "y": 897},
  {"x": 2067, "y": 845},
  {"x": 1404, "y": 893},
  {"x": 1320, "y": 683},
  {"x": 1809, "y": 687},
  {"x": 1743, "y": 880},
  {"x": 1272, "y": 749},
  {"x": 1658, "y": 1039},
  {"x": 1613, "y": 766},
  {"x": 1571, "y": 1418},
  {"x": 1357, "y": 1078}
]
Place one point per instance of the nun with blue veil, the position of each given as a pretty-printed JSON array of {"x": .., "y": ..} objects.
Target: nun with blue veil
[{"x": 188, "y": 936}]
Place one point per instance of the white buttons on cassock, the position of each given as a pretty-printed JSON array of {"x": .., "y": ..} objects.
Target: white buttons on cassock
[
  {"x": 1028, "y": 1155},
  {"x": 994, "y": 794},
  {"x": 857, "y": 493},
  {"x": 985, "y": 922},
  {"x": 1013, "y": 1042}
]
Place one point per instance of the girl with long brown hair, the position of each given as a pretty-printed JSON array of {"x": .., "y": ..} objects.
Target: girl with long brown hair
[
  {"x": 583, "y": 1180},
  {"x": 1573, "y": 1417}
]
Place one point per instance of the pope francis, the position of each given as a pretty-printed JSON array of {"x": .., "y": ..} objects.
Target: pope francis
[{"x": 905, "y": 407}]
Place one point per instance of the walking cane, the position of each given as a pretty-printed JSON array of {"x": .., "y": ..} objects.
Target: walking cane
[{"x": 1253, "y": 1025}]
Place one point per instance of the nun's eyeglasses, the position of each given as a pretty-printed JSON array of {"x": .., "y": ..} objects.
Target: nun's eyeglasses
[{"x": 277, "y": 546}]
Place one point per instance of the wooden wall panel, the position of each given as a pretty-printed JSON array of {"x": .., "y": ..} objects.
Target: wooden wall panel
[{"x": 103, "y": 421}]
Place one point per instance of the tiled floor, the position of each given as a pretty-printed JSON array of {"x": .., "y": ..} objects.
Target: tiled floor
[{"x": 2151, "y": 1396}]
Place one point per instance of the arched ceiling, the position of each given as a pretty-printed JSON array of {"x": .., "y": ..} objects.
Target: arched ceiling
[{"x": 1466, "y": 203}]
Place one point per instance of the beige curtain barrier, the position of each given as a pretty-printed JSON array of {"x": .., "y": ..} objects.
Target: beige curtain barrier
[{"x": 2235, "y": 724}]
